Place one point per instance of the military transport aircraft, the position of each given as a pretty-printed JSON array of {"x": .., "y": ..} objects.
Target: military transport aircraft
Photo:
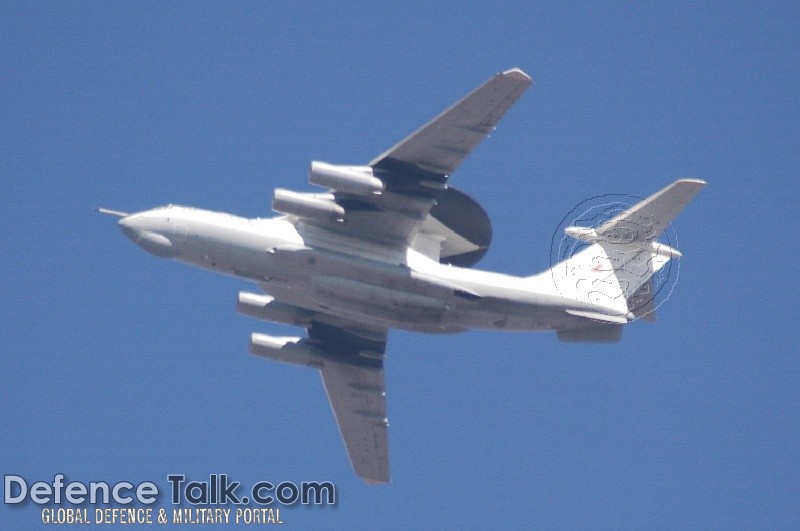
[{"x": 389, "y": 244}]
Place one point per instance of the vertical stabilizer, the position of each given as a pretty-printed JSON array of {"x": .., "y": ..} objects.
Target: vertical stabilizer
[{"x": 623, "y": 253}]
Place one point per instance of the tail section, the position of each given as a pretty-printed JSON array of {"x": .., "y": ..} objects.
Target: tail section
[
  {"x": 614, "y": 271},
  {"x": 645, "y": 221}
]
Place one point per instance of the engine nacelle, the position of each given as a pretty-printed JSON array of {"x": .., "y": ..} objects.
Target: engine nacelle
[
  {"x": 306, "y": 205},
  {"x": 291, "y": 350},
  {"x": 357, "y": 180},
  {"x": 267, "y": 308}
]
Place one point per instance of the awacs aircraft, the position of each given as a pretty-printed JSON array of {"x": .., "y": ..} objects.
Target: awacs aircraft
[{"x": 389, "y": 244}]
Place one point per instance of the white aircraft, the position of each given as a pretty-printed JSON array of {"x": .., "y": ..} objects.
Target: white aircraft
[{"x": 388, "y": 245}]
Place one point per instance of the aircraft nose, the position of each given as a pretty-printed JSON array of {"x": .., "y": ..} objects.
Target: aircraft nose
[
  {"x": 128, "y": 226},
  {"x": 139, "y": 231}
]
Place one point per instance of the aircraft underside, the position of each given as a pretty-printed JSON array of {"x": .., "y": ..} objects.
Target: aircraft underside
[
  {"x": 390, "y": 244},
  {"x": 374, "y": 292}
]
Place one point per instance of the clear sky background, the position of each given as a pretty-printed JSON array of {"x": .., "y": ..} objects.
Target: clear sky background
[{"x": 115, "y": 365}]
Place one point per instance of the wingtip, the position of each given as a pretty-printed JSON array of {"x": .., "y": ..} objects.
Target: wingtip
[
  {"x": 699, "y": 182},
  {"x": 370, "y": 481},
  {"x": 517, "y": 73}
]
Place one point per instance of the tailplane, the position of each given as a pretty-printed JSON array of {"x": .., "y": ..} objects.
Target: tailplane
[{"x": 615, "y": 270}]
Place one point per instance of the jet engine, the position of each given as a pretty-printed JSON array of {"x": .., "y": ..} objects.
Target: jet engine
[
  {"x": 306, "y": 205},
  {"x": 286, "y": 349},
  {"x": 356, "y": 180},
  {"x": 267, "y": 308}
]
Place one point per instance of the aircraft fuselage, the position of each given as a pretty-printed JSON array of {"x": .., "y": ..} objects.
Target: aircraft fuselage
[{"x": 308, "y": 268}]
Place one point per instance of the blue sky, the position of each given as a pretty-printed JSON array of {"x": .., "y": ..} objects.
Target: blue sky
[{"x": 118, "y": 366}]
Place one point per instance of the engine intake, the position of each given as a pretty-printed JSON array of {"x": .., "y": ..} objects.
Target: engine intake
[
  {"x": 309, "y": 206},
  {"x": 291, "y": 350},
  {"x": 357, "y": 180},
  {"x": 266, "y": 308}
]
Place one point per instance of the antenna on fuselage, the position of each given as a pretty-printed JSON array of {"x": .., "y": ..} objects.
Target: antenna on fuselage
[{"x": 109, "y": 212}]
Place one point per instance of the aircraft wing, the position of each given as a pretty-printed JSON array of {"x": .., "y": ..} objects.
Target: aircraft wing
[
  {"x": 414, "y": 173},
  {"x": 438, "y": 148},
  {"x": 352, "y": 372}
]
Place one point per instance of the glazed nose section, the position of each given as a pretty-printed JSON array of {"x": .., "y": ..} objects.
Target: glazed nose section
[{"x": 140, "y": 230}]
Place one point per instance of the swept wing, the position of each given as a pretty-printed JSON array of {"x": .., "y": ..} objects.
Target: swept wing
[
  {"x": 353, "y": 377},
  {"x": 409, "y": 204},
  {"x": 349, "y": 357},
  {"x": 414, "y": 172}
]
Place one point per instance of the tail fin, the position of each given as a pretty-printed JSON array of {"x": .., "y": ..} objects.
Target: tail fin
[{"x": 624, "y": 253}]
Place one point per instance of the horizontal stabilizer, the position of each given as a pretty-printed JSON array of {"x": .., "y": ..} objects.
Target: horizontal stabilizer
[
  {"x": 622, "y": 256},
  {"x": 646, "y": 220}
]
